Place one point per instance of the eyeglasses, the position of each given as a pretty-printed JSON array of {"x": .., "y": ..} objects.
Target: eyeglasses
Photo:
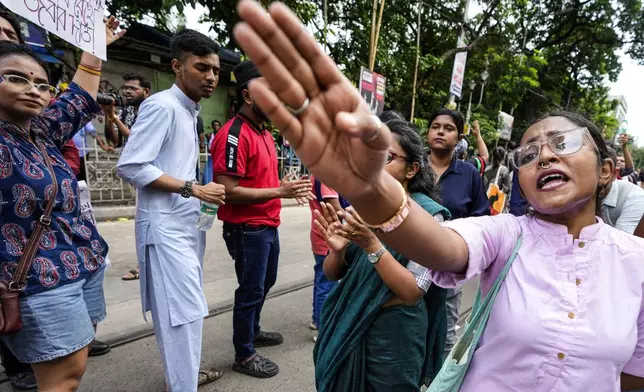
[
  {"x": 561, "y": 143},
  {"x": 392, "y": 155},
  {"x": 25, "y": 84},
  {"x": 130, "y": 88}
]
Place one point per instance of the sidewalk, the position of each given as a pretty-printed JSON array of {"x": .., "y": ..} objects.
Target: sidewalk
[
  {"x": 124, "y": 318},
  {"x": 113, "y": 213}
]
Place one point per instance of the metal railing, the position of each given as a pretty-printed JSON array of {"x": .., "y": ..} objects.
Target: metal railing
[{"x": 106, "y": 188}]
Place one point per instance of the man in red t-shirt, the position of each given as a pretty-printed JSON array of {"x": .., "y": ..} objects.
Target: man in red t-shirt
[
  {"x": 245, "y": 162},
  {"x": 321, "y": 285}
]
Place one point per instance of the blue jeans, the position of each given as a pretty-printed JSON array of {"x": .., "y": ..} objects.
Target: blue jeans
[
  {"x": 256, "y": 252},
  {"x": 321, "y": 288}
]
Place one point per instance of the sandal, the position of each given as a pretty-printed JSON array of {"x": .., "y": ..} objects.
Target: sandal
[
  {"x": 131, "y": 275},
  {"x": 208, "y": 376},
  {"x": 257, "y": 366}
]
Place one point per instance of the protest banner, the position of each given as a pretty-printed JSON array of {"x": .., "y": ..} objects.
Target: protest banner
[
  {"x": 372, "y": 89},
  {"x": 86, "y": 210},
  {"x": 79, "y": 22},
  {"x": 505, "y": 126},
  {"x": 458, "y": 72}
]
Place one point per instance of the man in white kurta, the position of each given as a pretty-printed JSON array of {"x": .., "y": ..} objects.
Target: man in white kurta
[{"x": 160, "y": 160}]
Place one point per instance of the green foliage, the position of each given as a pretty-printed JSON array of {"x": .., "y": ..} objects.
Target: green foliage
[{"x": 571, "y": 49}]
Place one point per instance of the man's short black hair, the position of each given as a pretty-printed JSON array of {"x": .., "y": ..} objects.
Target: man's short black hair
[
  {"x": 14, "y": 23},
  {"x": 457, "y": 117},
  {"x": 143, "y": 81},
  {"x": 212, "y": 123},
  {"x": 189, "y": 41}
]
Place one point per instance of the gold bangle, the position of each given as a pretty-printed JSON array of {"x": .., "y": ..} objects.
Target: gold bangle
[
  {"x": 97, "y": 69},
  {"x": 89, "y": 70},
  {"x": 397, "y": 219}
]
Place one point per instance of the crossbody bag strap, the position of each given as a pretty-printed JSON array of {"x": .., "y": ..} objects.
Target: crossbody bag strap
[
  {"x": 28, "y": 254},
  {"x": 483, "y": 305}
]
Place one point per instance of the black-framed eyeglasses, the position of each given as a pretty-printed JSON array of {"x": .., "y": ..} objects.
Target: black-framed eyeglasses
[
  {"x": 130, "y": 88},
  {"x": 392, "y": 155},
  {"x": 25, "y": 84},
  {"x": 561, "y": 143}
]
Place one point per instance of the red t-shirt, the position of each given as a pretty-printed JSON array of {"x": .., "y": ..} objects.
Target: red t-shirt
[
  {"x": 318, "y": 245},
  {"x": 243, "y": 149},
  {"x": 70, "y": 153}
]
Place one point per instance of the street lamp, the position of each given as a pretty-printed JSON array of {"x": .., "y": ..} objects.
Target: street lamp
[
  {"x": 469, "y": 106},
  {"x": 484, "y": 76}
]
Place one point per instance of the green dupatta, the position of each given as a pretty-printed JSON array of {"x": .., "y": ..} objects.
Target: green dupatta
[{"x": 352, "y": 307}]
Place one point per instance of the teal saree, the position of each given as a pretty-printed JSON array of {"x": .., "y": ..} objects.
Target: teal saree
[{"x": 362, "y": 347}]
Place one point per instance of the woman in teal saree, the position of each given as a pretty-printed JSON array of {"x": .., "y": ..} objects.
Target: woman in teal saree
[{"x": 383, "y": 327}]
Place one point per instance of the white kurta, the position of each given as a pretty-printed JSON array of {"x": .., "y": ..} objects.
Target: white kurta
[{"x": 164, "y": 140}]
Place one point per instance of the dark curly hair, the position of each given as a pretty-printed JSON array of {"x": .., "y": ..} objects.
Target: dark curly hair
[{"x": 143, "y": 81}]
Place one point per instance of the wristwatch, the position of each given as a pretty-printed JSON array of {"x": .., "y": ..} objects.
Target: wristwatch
[
  {"x": 186, "y": 190},
  {"x": 375, "y": 257}
]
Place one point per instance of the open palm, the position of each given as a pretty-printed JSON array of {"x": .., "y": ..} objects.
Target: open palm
[
  {"x": 336, "y": 137},
  {"x": 329, "y": 225}
]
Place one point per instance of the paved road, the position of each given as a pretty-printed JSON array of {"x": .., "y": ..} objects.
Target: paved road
[
  {"x": 136, "y": 367},
  {"x": 123, "y": 298}
]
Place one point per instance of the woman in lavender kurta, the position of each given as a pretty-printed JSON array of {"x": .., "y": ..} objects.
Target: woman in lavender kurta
[{"x": 569, "y": 314}]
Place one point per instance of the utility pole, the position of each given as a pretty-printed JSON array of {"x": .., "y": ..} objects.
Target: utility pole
[
  {"x": 326, "y": 21},
  {"x": 413, "y": 94},
  {"x": 374, "y": 12},
  {"x": 376, "y": 36},
  {"x": 452, "y": 97}
]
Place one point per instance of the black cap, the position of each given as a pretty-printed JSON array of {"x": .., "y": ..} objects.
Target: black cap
[{"x": 245, "y": 72}]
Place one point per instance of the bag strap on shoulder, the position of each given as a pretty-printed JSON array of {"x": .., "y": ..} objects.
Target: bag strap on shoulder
[{"x": 20, "y": 275}]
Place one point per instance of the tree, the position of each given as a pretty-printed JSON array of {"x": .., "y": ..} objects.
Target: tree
[{"x": 542, "y": 55}]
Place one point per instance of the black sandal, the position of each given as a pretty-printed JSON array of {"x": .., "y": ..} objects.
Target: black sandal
[{"x": 257, "y": 366}]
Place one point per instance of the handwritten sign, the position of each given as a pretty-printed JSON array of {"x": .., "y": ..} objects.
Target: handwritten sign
[
  {"x": 86, "y": 210},
  {"x": 79, "y": 22}
]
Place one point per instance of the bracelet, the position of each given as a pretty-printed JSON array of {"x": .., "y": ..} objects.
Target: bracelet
[
  {"x": 83, "y": 68},
  {"x": 397, "y": 219},
  {"x": 97, "y": 68}
]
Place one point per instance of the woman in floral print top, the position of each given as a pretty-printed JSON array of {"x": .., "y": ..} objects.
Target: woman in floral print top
[{"x": 63, "y": 298}]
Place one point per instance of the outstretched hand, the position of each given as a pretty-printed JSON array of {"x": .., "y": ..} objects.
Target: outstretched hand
[{"x": 336, "y": 136}]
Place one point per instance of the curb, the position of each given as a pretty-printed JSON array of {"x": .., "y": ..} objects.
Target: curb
[
  {"x": 120, "y": 213},
  {"x": 136, "y": 333}
]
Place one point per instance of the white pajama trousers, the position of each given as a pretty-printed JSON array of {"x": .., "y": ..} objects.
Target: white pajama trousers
[{"x": 180, "y": 346}]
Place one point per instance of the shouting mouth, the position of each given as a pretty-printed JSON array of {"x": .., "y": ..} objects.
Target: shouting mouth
[{"x": 551, "y": 179}]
